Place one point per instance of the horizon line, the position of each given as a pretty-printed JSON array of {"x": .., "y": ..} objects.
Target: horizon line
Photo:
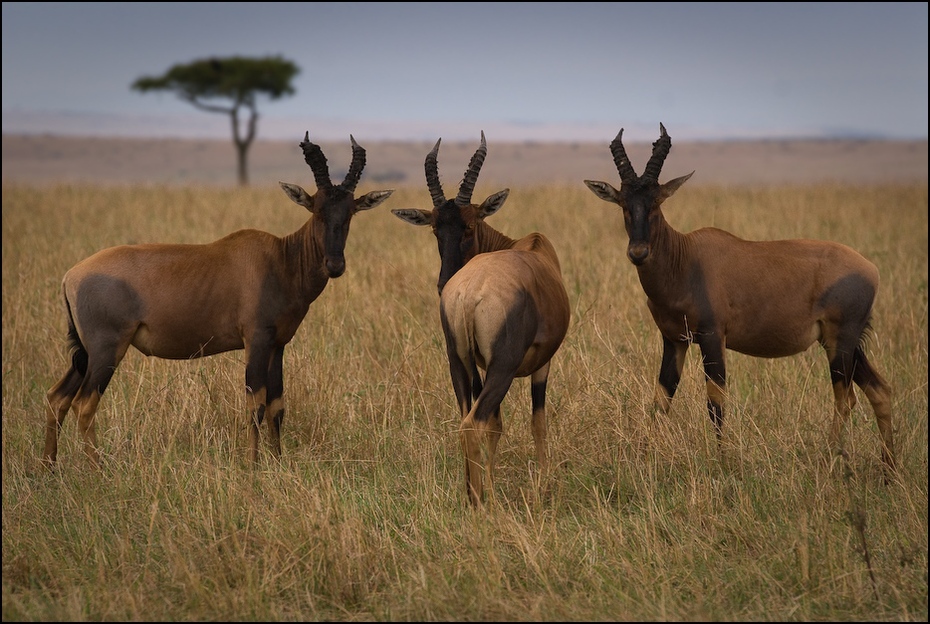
[{"x": 216, "y": 127}]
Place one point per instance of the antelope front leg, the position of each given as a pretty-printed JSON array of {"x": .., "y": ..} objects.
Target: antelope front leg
[
  {"x": 673, "y": 361},
  {"x": 275, "y": 400},
  {"x": 715, "y": 371},
  {"x": 255, "y": 404},
  {"x": 258, "y": 363}
]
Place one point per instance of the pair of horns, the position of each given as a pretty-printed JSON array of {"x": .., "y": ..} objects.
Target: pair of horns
[
  {"x": 317, "y": 161},
  {"x": 660, "y": 150},
  {"x": 468, "y": 181}
]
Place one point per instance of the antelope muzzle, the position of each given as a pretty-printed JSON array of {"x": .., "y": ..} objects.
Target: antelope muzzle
[
  {"x": 637, "y": 252},
  {"x": 335, "y": 265}
]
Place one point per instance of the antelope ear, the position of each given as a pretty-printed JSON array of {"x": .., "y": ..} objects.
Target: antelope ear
[
  {"x": 372, "y": 199},
  {"x": 493, "y": 203},
  {"x": 414, "y": 216},
  {"x": 669, "y": 188},
  {"x": 298, "y": 195},
  {"x": 603, "y": 190}
]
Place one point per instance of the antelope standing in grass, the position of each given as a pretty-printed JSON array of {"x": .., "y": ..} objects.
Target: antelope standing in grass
[
  {"x": 503, "y": 308},
  {"x": 762, "y": 298},
  {"x": 249, "y": 290}
]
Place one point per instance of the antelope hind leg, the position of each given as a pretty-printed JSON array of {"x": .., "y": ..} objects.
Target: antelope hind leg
[
  {"x": 878, "y": 392},
  {"x": 470, "y": 436},
  {"x": 88, "y": 397},
  {"x": 539, "y": 425},
  {"x": 57, "y": 404},
  {"x": 85, "y": 406}
]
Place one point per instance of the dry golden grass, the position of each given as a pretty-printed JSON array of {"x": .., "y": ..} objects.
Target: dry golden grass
[{"x": 365, "y": 516}]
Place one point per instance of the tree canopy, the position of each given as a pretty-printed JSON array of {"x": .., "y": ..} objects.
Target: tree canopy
[{"x": 239, "y": 80}]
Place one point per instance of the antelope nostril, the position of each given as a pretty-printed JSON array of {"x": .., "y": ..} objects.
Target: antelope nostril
[
  {"x": 637, "y": 253},
  {"x": 335, "y": 266}
]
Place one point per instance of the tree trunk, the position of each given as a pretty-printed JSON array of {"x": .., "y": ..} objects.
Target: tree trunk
[
  {"x": 242, "y": 152},
  {"x": 242, "y": 143}
]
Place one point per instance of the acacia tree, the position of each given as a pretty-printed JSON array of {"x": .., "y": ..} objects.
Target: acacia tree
[{"x": 235, "y": 78}]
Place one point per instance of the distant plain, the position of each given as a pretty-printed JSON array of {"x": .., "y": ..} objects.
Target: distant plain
[{"x": 52, "y": 159}]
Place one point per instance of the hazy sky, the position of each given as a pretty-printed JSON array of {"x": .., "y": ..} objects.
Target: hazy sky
[{"x": 526, "y": 71}]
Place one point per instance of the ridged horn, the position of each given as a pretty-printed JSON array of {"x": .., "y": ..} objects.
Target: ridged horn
[
  {"x": 660, "y": 150},
  {"x": 432, "y": 176},
  {"x": 317, "y": 161},
  {"x": 355, "y": 169},
  {"x": 471, "y": 175},
  {"x": 624, "y": 167}
]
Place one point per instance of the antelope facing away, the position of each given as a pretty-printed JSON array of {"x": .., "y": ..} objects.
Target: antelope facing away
[
  {"x": 762, "y": 298},
  {"x": 503, "y": 308},
  {"x": 249, "y": 290}
]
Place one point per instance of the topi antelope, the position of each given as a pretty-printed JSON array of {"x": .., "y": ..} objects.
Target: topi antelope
[
  {"x": 249, "y": 290},
  {"x": 503, "y": 308},
  {"x": 762, "y": 298}
]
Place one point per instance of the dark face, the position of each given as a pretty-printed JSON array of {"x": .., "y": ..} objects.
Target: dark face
[
  {"x": 455, "y": 233},
  {"x": 336, "y": 214},
  {"x": 641, "y": 215}
]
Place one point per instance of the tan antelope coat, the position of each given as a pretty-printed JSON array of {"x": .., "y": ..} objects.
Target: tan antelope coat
[
  {"x": 762, "y": 298},
  {"x": 249, "y": 290},
  {"x": 503, "y": 309}
]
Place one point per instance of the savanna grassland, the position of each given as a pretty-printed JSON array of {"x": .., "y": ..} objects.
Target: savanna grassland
[{"x": 365, "y": 517}]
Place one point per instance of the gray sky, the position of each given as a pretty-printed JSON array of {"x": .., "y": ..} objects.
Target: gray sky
[{"x": 521, "y": 71}]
